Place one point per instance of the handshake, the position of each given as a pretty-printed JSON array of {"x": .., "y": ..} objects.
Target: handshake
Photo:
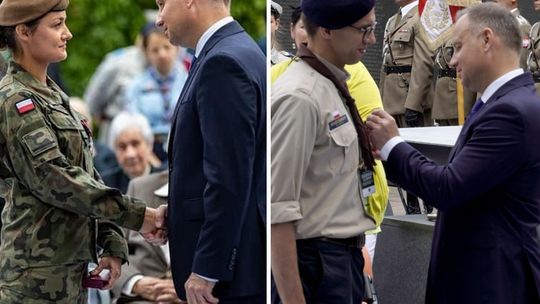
[{"x": 154, "y": 228}]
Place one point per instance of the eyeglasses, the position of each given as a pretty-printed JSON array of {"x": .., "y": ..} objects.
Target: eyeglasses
[{"x": 367, "y": 31}]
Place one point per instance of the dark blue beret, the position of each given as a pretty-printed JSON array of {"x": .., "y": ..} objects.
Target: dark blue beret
[{"x": 336, "y": 14}]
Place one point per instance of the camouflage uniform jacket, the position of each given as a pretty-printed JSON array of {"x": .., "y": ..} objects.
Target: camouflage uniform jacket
[{"x": 57, "y": 209}]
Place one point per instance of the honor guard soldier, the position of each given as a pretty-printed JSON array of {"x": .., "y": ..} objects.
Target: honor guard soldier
[
  {"x": 407, "y": 59},
  {"x": 445, "y": 105},
  {"x": 406, "y": 53},
  {"x": 533, "y": 61},
  {"x": 524, "y": 27}
]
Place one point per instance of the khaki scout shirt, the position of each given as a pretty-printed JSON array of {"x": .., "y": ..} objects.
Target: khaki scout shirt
[
  {"x": 54, "y": 196},
  {"x": 315, "y": 157}
]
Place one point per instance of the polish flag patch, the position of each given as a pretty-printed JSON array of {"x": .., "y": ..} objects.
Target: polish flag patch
[{"x": 25, "y": 106}]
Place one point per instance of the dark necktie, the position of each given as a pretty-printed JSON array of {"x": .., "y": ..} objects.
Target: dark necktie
[
  {"x": 361, "y": 129},
  {"x": 477, "y": 106}
]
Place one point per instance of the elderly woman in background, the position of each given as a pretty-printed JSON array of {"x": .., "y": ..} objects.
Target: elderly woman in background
[{"x": 131, "y": 140}]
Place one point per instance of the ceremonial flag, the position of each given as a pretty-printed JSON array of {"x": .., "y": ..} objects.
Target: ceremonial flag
[{"x": 437, "y": 17}]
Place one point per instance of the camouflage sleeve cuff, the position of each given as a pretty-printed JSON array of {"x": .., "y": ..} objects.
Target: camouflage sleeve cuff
[
  {"x": 133, "y": 217},
  {"x": 114, "y": 244}
]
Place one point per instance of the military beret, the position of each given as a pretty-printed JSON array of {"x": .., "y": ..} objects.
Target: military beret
[
  {"x": 277, "y": 7},
  {"x": 336, "y": 14},
  {"x": 13, "y": 12}
]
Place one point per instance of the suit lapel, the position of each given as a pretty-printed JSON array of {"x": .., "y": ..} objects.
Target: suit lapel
[{"x": 227, "y": 30}]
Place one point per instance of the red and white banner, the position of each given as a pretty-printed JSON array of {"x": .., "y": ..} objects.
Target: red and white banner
[{"x": 437, "y": 18}]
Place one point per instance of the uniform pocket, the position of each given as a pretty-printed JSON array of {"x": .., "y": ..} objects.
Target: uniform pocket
[
  {"x": 345, "y": 138},
  {"x": 42, "y": 145},
  {"x": 402, "y": 47},
  {"x": 69, "y": 133}
]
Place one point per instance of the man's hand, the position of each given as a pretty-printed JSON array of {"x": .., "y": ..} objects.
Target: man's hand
[
  {"x": 413, "y": 119},
  {"x": 150, "y": 230},
  {"x": 165, "y": 293},
  {"x": 113, "y": 264},
  {"x": 161, "y": 219},
  {"x": 382, "y": 128},
  {"x": 145, "y": 288},
  {"x": 199, "y": 290}
]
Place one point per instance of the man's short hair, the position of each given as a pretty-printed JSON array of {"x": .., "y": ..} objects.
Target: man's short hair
[{"x": 498, "y": 19}]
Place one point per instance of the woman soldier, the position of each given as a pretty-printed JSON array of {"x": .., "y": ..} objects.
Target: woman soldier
[{"x": 58, "y": 214}]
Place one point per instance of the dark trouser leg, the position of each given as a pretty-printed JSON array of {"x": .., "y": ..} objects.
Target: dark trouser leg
[{"x": 330, "y": 273}]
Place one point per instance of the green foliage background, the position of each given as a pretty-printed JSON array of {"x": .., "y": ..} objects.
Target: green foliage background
[{"x": 100, "y": 26}]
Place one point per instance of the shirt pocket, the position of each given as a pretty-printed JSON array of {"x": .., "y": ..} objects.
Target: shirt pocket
[
  {"x": 402, "y": 46},
  {"x": 69, "y": 134},
  {"x": 345, "y": 138}
]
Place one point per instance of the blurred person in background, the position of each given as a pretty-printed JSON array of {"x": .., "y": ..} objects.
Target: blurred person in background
[
  {"x": 276, "y": 55},
  {"x": 155, "y": 92}
]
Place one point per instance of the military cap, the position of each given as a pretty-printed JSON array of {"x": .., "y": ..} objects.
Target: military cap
[
  {"x": 276, "y": 7},
  {"x": 336, "y": 14},
  {"x": 13, "y": 12}
]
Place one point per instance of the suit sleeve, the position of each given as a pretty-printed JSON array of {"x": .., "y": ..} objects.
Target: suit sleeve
[
  {"x": 488, "y": 159},
  {"x": 227, "y": 108},
  {"x": 38, "y": 163}
]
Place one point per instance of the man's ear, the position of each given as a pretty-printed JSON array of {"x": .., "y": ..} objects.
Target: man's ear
[
  {"x": 487, "y": 37},
  {"x": 324, "y": 32}
]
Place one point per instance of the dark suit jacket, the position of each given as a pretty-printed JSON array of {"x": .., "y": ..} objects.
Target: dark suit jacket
[
  {"x": 217, "y": 162},
  {"x": 144, "y": 258},
  {"x": 486, "y": 242}
]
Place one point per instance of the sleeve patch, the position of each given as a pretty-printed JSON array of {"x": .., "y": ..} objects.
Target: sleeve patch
[
  {"x": 39, "y": 141},
  {"x": 25, "y": 106}
]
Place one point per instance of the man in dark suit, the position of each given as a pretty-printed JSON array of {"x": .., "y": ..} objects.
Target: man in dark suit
[
  {"x": 486, "y": 242},
  {"x": 217, "y": 157}
]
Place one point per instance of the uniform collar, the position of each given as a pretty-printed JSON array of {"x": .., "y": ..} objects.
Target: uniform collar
[
  {"x": 51, "y": 90},
  {"x": 407, "y": 8}
]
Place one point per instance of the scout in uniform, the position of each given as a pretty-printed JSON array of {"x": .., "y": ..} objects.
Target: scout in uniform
[
  {"x": 276, "y": 56},
  {"x": 58, "y": 213},
  {"x": 321, "y": 161}
]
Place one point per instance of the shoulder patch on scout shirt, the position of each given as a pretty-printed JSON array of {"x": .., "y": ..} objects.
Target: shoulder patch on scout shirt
[{"x": 25, "y": 106}]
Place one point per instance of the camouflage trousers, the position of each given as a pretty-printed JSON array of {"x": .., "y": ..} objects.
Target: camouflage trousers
[{"x": 59, "y": 284}]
